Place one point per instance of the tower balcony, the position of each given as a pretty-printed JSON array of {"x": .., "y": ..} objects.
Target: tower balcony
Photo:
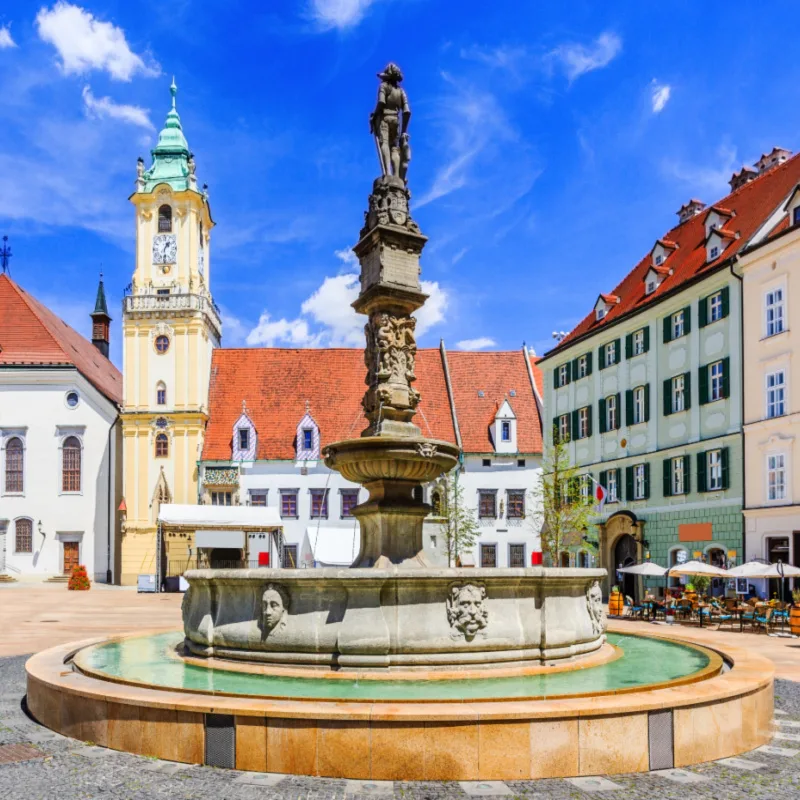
[{"x": 173, "y": 305}]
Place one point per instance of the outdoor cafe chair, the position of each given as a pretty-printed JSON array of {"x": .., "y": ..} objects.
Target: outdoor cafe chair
[
  {"x": 633, "y": 609},
  {"x": 763, "y": 621}
]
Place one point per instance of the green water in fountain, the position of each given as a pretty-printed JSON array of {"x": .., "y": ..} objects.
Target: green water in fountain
[{"x": 152, "y": 660}]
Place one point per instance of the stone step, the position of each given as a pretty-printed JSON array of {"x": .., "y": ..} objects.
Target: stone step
[
  {"x": 7, "y": 579},
  {"x": 58, "y": 579}
]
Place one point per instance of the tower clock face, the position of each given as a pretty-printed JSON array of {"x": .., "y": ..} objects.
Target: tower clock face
[{"x": 165, "y": 248}]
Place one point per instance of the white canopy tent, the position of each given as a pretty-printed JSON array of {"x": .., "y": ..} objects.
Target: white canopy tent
[
  {"x": 647, "y": 569},
  {"x": 698, "y": 568},
  {"x": 330, "y": 546},
  {"x": 240, "y": 517},
  {"x": 757, "y": 569}
]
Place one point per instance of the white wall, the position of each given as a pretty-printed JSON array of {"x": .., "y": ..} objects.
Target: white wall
[{"x": 34, "y": 400}]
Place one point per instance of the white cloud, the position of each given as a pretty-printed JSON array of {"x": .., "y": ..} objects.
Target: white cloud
[
  {"x": 5, "y": 38},
  {"x": 233, "y": 330},
  {"x": 659, "y": 96},
  {"x": 106, "y": 107},
  {"x": 85, "y": 43},
  {"x": 481, "y": 343},
  {"x": 703, "y": 179},
  {"x": 327, "y": 319},
  {"x": 459, "y": 255},
  {"x": 578, "y": 59},
  {"x": 503, "y": 56},
  {"x": 339, "y": 13}
]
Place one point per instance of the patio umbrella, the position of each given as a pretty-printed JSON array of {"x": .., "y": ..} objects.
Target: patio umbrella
[
  {"x": 698, "y": 568},
  {"x": 651, "y": 570},
  {"x": 755, "y": 569}
]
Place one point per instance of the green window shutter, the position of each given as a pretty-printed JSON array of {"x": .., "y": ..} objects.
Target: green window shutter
[
  {"x": 619, "y": 411},
  {"x": 726, "y": 301},
  {"x": 555, "y": 378},
  {"x": 667, "y": 397},
  {"x": 588, "y": 421},
  {"x": 687, "y": 319},
  {"x": 575, "y": 369},
  {"x": 616, "y": 351},
  {"x": 629, "y": 406},
  {"x": 601, "y": 357},
  {"x": 702, "y": 375},
  {"x": 619, "y": 482},
  {"x": 726, "y": 477},
  {"x": 687, "y": 390},
  {"x": 726, "y": 376},
  {"x": 601, "y": 478},
  {"x": 702, "y": 312},
  {"x": 601, "y": 414},
  {"x": 589, "y": 363},
  {"x": 646, "y": 401},
  {"x": 667, "y": 477},
  {"x": 629, "y": 483},
  {"x": 701, "y": 472},
  {"x": 555, "y": 430},
  {"x": 667, "y": 329},
  {"x": 629, "y": 345},
  {"x": 575, "y": 425},
  {"x": 646, "y": 338},
  {"x": 646, "y": 481},
  {"x": 687, "y": 475}
]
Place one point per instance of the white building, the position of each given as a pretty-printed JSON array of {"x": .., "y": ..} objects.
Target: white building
[
  {"x": 59, "y": 442},
  {"x": 272, "y": 411}
]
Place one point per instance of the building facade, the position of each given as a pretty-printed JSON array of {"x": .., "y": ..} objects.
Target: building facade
[
  {"x": 647, "y": 390},
  {"x": 770, "y": 273},
  {"x": 60, "y": 444},
  {"x": 170, "y": 328}
]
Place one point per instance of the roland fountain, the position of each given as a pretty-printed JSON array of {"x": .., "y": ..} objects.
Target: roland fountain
[{"x": 395, "y": 668}]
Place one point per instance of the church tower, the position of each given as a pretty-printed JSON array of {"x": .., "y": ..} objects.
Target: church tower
[{"x": 170, "y": 326}]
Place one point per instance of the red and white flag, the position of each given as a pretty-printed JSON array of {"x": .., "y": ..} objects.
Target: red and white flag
[{"x": 600, "y": 495}]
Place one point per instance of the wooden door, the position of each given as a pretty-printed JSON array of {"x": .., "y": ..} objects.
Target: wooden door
[{"x": 71, "y": 556}]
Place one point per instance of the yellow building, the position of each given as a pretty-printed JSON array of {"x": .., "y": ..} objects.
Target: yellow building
[
  {"x": 770, "y": 271},
  {"x": 170, "y": 327}
]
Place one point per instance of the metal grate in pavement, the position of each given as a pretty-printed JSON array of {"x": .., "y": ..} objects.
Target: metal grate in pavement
[{"x": 10, "y": 753}]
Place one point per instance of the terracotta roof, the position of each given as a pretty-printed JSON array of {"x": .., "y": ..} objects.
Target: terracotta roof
[
  {"x": 31, "y": 334},
  {"x": 496, "y": 375},
  {"x": 609, "y": 298},
  {"x": 277, "y": 382},
  {"x": 667, "y": 244},
  {"x": 752, "y": 203},
  {"x": 722, "y": 212}
]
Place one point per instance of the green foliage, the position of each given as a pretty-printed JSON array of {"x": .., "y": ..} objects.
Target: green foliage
[
  {"x": 459, "y": 525},
  {"x": 796, "y": 596},
  {"x": 701, "y": 583},
  {"x": 561, "y": 511}
]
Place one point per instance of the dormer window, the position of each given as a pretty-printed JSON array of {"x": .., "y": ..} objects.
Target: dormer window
[
  {"x": 506, "y": 431},
  {"x": 307, "y": 440},
  {"x": 244, "y": 438},
  {"x": 713, "y": 252},
  {"x": 651, "y": 287},
  {"x": 796, "y": 216},
  {"x": 503, "y": 429},
  {"x": 659, "y": 259},
  {"x": 600, "y": 313}
]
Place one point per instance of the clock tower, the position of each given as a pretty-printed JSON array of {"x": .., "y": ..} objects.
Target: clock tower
[{"x": 170, "y": 326}]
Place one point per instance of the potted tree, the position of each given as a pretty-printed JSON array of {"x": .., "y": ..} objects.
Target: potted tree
[{"x": 616, "y": 602}]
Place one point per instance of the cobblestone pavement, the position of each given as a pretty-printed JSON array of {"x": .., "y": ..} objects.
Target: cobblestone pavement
[{"x": 67, "y": 770}]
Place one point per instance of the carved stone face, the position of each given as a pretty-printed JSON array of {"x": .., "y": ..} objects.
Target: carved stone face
[
  {"x": 466, "y": 610},
  {"x": 273, "y": 608},
  {"x": 597, "y": 612}
]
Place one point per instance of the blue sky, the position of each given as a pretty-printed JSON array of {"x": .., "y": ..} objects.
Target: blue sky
[{"x": 549, "y": 150}]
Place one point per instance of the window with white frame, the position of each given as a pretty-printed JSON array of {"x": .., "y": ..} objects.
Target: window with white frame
[
  {"x": 612, "y": 489},
  {"x": 776, "y": 476},
  {"x": 563, "y": 375},
  {"x": 714, "y": 470},
  {"x": 776, "y": 393},
  {"x": 583, "y": 422},
  {"x": 600, "y": 313},
  {"x": 582, "y": 367},
  {"x": 774, "y": 310},
  {"x": 715, "y": 383},
  {"x": 563, "y": 428},
  {"x": 713, "y": 252},
  {"x": 612, "y": 413},
  {"x": 639, "y": 482},
  {"x": 585, "y": 484},
  {"x": 678, "y": 393},
  {"x": 715, "y": 306},
  {"x": 678, "y": 326},
  {"x": 610, "y": 353},
  {"x": 505, "y": 431},
  {"x": 678, "y": 476},
  {"x": 638, "y": 342},
  {"x": 638, "y": 405},
  {"x": 659, "y": 259}
]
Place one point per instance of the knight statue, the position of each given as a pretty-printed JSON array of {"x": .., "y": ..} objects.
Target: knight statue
[{"x": 388, "y": 123}]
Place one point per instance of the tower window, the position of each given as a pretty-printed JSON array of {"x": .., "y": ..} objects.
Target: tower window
[
  {"x": 161, "y": 394},
  {"x": 165, "y": 219},
  {"x": 162, "y": 344},
  {"x": 162, "y": 445}
]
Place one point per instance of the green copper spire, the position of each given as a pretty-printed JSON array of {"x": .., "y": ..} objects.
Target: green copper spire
[
  {"x": 172, "y": 162},
  {"x": 100, "y": 305}
]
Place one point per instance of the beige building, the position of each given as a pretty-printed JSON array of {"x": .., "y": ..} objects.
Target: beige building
[
  {"x": 170, "y": 328},
  {"x": 770, "y": 272}
]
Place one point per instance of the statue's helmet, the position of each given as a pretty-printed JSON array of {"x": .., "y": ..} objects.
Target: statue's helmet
[{"x": 391, "y": 73}]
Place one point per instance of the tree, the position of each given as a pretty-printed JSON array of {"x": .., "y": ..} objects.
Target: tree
[
  {"x": 458, "y": 521},
  {"x": 561, "y": 509}
]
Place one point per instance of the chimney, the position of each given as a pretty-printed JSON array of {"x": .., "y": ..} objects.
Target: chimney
[
  {"x": 101, "y": 322},
  {"x": 770, "y": 160},
  {"x": 689, "y": 210},
  {"x": 743, "y": 176}
]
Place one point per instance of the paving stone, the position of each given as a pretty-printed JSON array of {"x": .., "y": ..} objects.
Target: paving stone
[
  {"x": 369, "y": 787},
  {"x": 11, "y": 753},
  {"x": 594, "y": 784},
  {"x": 771, "y": 750},
  {"x": 786, "y": 723},
  {"x": 780, "y": 713},
  {"x": 484, "y": 788},
  {"x": 90, "y": 751},
  {"x": 260, "y": 779},
  {"x": 787, "y": 737},
  {"x": 680, "y": 775},
  {"x": 741, "y": 763},
  {"x": 165, "y": 767}
]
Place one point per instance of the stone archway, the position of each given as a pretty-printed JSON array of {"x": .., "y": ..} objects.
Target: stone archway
[
  {"x": 617, "y": 526},
  {"x": 625, "y": 552}
]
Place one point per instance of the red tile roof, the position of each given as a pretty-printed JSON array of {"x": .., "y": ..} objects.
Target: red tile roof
[
  {"x": 752, "y": 204},
  {"x": 276, "y": 383},
  {"x": 31, "y": 334},
  {"x": 496, "y": 375}
]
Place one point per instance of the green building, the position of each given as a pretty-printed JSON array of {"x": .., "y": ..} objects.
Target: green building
[{"x": 647, "y": 389}]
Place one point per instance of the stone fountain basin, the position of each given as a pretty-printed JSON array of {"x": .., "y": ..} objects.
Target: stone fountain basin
[{"x": 379, "y": 618}]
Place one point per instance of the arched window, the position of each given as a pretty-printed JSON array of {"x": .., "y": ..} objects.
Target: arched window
[
  {"x": 162, "y": 445},
  {"x": 437, "y": 503},
  {"x": 14, "y": 464},
  {"x": 162, "y": 344},
  {"x": 71, "y": 465},
  {"x": 564, "y": 559},
  {"x": 165, "y": 219},
  {"x": 161, "y": 393},
  {"x": 24, "y": 535},
  {"x": 583, "y": 559}
]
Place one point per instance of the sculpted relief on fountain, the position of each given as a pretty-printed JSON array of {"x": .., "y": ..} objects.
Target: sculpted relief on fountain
[
  {"x": 466, "y": 611},
  {"x": 274, "y": 609}
]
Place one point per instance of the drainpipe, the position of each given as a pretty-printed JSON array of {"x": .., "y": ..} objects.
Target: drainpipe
[
  {"x": 110, "y": 518},
  {"x": 740, "y": 278}
]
